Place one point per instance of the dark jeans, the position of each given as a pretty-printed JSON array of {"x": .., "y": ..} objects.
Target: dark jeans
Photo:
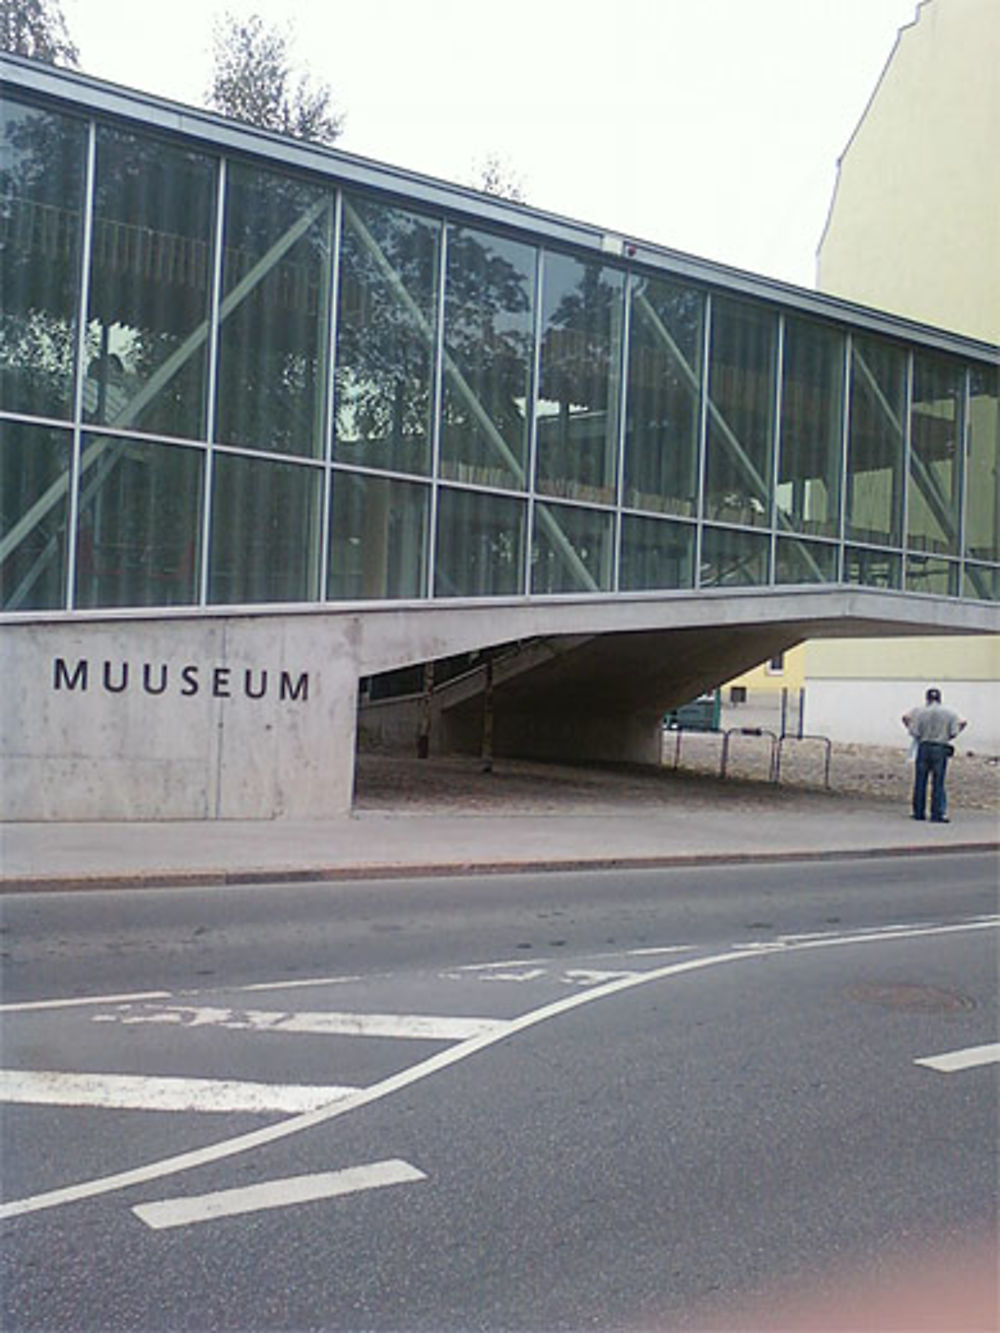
[{"x": 932, "y": 760}]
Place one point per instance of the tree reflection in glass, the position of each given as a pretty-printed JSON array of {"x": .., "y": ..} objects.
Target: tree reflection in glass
[
  {"x": 150, "y": 282},
  {"x": 41, "y": 191},
  {"x": 664, "y": 396},
  {"x": 488, "y": 336},
  {"x": 578, "y": 399},
  {"x": 386, "y": 336},
  {"x": 275, "y": 312}
]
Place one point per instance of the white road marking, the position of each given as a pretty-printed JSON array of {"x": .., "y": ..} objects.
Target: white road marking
[
  {"x": 78, "y": 1001},
  {"x": 969, "y": 1058},
  {"x": 295, "y": 985},
  {"x": 881, "y": 931},
  {"x": 169, "y": 1166},
  {"x": 876, "y": 935},
  {"x": 525, "y": 974},
  {"x": 666, "y": 948},
  {"x": 276, "y": 1194},
  {"x": 259, "y": 1138},
  {"x": 583, "y": 976},
  {"x": 515, "y": 963},
  {"x": 133, "y": 1092},
  {"x": 421, "y": 1027}
]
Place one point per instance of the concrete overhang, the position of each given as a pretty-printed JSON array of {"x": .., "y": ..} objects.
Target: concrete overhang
[{"x": 391, "y": 636}]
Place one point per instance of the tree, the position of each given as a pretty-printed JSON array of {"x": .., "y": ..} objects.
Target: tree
[
  {"x": 496, "y": 176},
  {"x": 253, "y": 80},
  {"x": 37, "y": 29}
]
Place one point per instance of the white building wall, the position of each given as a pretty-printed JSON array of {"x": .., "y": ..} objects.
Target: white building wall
[{"x": 869, "y": 712}]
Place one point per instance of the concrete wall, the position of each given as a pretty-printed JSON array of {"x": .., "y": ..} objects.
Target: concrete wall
[
  {"x": 857, "y": 689},
  {"x": 134, "y": 719},
  {"x": 868, "y": 712},
  {"x": 253, "y": 716}
]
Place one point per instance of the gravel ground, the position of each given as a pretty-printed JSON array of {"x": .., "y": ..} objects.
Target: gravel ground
[{"x": 857, "y": 772}]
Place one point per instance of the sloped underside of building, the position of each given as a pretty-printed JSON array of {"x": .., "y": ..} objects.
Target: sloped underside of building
[{"x": 601, "y": 695}]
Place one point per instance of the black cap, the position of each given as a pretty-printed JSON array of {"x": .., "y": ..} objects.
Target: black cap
[{"x": 933, "y": 695}]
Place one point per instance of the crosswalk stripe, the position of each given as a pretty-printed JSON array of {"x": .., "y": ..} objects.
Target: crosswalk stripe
[
  {"x": 275, "y": 1194},
  {"x": 953, "y": 1061},
  {"x": 424, "y": 1027},
  {"x": 133, "y": 1092}
]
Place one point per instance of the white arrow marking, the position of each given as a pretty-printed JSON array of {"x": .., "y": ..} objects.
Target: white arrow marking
[
  {"x": 133, "y": 1092},
  {"x": 953, "y": 1061},
  {"x": 422, "y": 1027},
  {"x": 275, "y": 1194}
]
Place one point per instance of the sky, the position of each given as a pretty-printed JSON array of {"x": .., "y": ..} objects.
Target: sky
[{"x": 709, "y": 126}]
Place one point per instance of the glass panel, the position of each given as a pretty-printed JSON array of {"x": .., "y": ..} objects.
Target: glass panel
[
  {"x": 935, "y": 454},
  {"x": 378, "y": 537},
  {"x": 656, "y": 554},
  {"x": 925, "y": 574},
  {"x": 140, "y": 524},
  {"x": 275, "y": 313},
  {"x": 740, "y": 413},
  {"x": 662, "y": 415},
  {"x": 42, "y": 164},
  {"x": 982, "y": 582},
  {"x": 805, "y": 562},
  {"x": 489, "y": 332},
  {"x": 580, "y": 379},
  {"x": 875, "y": 569},
  {"x": 34, "y": 485},
  {"x": 573, "y": 550},
  {"x": 875, "y": 444},
  {"x": 480, "y": 545},
  {"x": 150, "y": 279},
  {"x": 734, "y": 559},
  {"x": 812, "y": 399},
  {"x": 265, "y": 531},
  {"x": 982, "y": 501},
  {"x": 386, "y": 337}
]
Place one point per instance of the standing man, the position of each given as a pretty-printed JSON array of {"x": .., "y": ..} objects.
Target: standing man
[{"x": 933, "y": 727}]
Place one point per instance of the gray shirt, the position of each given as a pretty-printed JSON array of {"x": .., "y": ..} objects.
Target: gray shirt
[{"x": 934, "y": 723}]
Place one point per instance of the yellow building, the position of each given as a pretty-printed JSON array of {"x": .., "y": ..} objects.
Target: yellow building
[
  {"x": 914, "y": 224},
  {"x": 914, "y": 228}
]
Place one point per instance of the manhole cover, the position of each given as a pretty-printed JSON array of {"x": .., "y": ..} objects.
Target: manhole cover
[{"x": 909, "y": 996}]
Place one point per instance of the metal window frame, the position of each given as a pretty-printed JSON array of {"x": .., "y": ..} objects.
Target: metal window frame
[
  {"x": 449, "y": 206},
  {"x": 86, "y": 248},
  {"x": 91, "y": 97}
]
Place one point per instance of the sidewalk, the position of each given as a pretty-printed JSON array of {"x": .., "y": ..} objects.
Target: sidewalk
[{"x": 522, "y": 819}]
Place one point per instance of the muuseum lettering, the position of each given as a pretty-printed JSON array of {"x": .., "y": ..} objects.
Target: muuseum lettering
[{"x": 219, "y": 682}]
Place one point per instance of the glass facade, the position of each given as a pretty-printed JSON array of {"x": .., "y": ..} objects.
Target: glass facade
[{"x": 225, "y": 382}]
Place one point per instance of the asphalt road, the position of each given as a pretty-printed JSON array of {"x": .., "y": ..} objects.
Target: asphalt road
[{"x": 654, "y": 1100}]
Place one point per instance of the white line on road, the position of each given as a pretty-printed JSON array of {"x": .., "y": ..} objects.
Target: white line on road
[
  {"x": 78, "y": 1001},
  {"x": 215, "y": 1152},
  {"x": 504, "y": 962},
  {"x": 969, "y": 1058},
  {"x": 661, "y": 949},
  {"x": 276, "y": 1194},
  {"x": 422, "y": 1027},
  {"x": 585, "y": 976},
  {"x": 298, "y": 985},
  {"x": 133, "y": 1092}
]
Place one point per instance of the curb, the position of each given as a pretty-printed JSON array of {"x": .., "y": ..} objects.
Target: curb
[{"x": 179, "y": 879}]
